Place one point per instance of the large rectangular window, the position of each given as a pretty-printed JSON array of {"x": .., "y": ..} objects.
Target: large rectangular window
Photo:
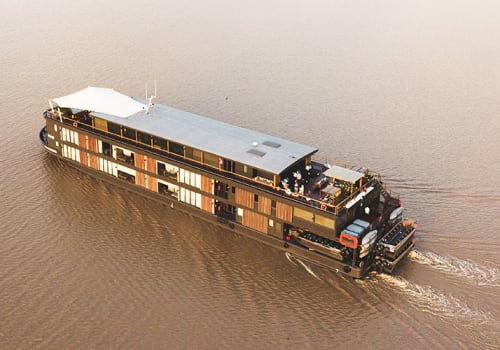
[
  {"x": 144, "y": 138},
  {"x": 129, "y": 133},
  {"x": 159, "y": 143},
  {"x": 166, "y": 169},
  {"x": 100, "y": 124},
  {"x": 324, "y": 221},
  {"x": 125, "y": 155},
  {"x": 197, "y": 155},
  {"x": 176, "y": 148},
  {"x": 167, "y": 188},
  {"x": 303, "y": 214},
  {"x": 211, "y": 159},
  {"x": 114, "y": 128},
  {"x": 190, "y": 178}
]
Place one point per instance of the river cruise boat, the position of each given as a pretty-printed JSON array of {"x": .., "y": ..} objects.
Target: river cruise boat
[{"x": 273, "y": 190}]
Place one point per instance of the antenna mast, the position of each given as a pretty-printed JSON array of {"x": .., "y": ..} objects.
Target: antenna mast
[{"x": 150, "y": 99}]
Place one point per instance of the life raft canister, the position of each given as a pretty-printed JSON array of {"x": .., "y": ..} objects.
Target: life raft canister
[{"x": 348, "y": 240}]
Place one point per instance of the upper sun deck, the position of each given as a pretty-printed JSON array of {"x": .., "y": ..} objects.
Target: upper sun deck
[{"x": 258, "y": 150}]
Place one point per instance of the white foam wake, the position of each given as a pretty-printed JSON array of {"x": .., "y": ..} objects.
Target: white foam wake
[
  {"x": 294, "y": 259},
  {"x": 479, "y": 275},
  {"x": 290, "y": 258},
  {"x": 429, "y": 300}
]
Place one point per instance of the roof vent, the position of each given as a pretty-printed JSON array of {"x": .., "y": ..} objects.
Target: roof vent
[
  {"x": 256, "y": 152},
  {"x": 271, "y": 144}
]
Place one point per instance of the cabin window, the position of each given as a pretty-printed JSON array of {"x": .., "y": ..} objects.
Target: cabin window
[
  {"x": 245, "y": 169},
  {"x": 125, "y": 156},
  {"x": 221, "y": 189},
  {"x": 190, "y": 197},
  {"x": 114, "y": 128},
  {"x": 127, "y": 177},
  {"x": 168, "y": 189},
  {"x": 188, "y": 152},
  {"x": 106, "y": 166},
  {"x": 72, "y": 153},
  {"x": 190, "y": 178},
  {"x": 104, "y": 147},
  {"x": 255, "y": 197},
  {"x": 144, "y": 138},
  {"x": 197, "y": 155},
  {"x": 176, "y": 148},
  {"x": 166, "y": 169},
  {"x": 324, "y": 221},
  {"x": 159, "y": 143},
  {"x": 303, "y": 214},
  {"x": 100, "y": 124},
  {"x": 129, "y": 133},
  {"x": 211, "y": 159}
]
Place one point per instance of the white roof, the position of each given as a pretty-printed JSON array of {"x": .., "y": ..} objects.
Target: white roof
[
  {"x": 101, "y": 100},
  {"x": 249, "y": 147},
  {"x": 344, "y": 174}
]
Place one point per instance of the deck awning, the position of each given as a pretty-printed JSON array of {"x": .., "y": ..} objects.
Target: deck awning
[
  {"x": 101, "y": 100},
  {"x": 344, "y": 174}
]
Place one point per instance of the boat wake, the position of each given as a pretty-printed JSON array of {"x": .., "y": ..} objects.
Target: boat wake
[
  {"x": 474, "y": 273},
  {"x": 297, "y": 261},
  {"x": 290, "y": 258},
  {"x": 434, "y": 302}
]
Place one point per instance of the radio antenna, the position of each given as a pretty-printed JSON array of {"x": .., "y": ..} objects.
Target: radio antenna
[{"x": 150, "y": 99}]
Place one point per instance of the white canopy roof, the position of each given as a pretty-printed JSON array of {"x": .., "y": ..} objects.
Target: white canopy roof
[
  {"x": 344, "y": 174},
  {"x": 101, "y": 100}
]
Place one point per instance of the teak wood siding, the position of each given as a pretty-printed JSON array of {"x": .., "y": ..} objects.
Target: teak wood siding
[
  {"x": 82, "y": 140},
  {"x": 140, "y": 179},
  {"x": 152, "y": 183},
  {"x": 93, "y": 162},
  {"x": 284, "y": 212},
  {"x": 84, "y": 158},
  {"x": 207, "y": 204},
  {"x": 140, "y": 161},
  {"x": 256, "y": 221},
  {"x": 244, "y": 198},
  {"x": 207, "y": 185},
  {"x": 145, "y": 163},
  {"x": 264, "y": 205},
  {"x": 148, "y": 164},
  {"x": 151, "y": 163},
  {"x": 92, "y": 144}
]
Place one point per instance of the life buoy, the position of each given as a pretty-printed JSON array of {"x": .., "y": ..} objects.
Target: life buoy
[
  {"x": 75, "y": 124},
  {"x": 323, "y": 206}
]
